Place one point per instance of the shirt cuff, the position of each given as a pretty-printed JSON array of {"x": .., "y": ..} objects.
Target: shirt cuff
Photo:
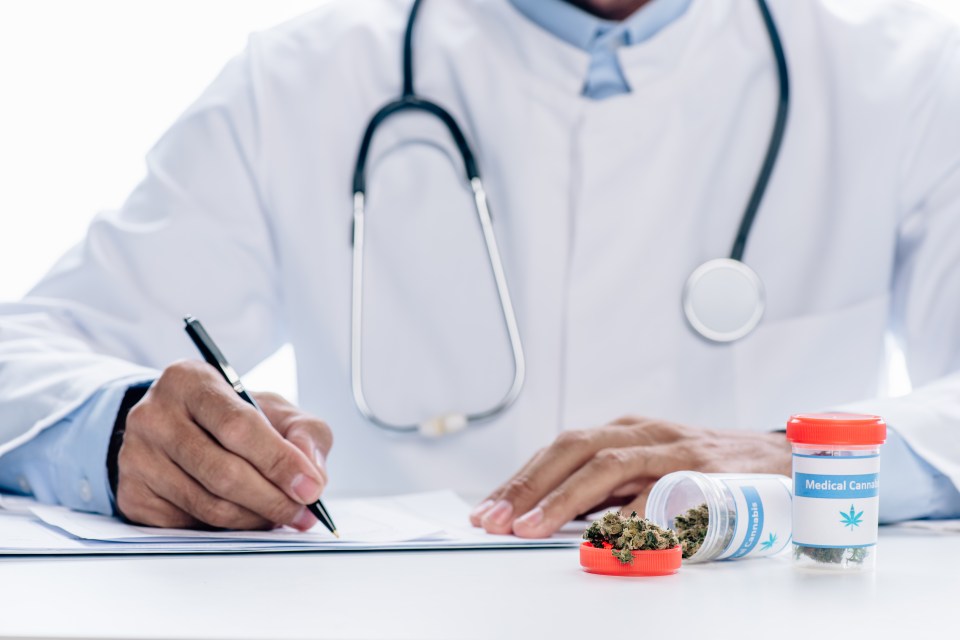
[
  {"x": 912, "y": 488},
  {"x": 66, "y": 463}
]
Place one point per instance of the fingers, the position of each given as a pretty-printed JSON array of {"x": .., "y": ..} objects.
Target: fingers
[
  {"x": 137, "y": 503},
  {"x": 240, "y": 429},
  {"x": 593, "y": 483},
  {"x": 195, "y": 454},
  {"x": 546, "y": 471},
  {"x": 219, "y": 476},
  {"x": 476, "y": 516}
]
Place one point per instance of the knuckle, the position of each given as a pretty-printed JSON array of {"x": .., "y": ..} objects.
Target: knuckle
[
  {"x": 227, "y": 480},
  {"x": 557, "y": 499},
  {"x": 282, "y": 511},
  {"x": 316, "y": 430},
  {"x": 271, "y": 397},
  {"x": 169, "y": 518},
  {"x": 573, "y": 439},
  {"x": 703, "y": 455},
  {"x": 222, "y": 514},
  {"x": 611, "y": 460},
  {"x": 141, "y": 415},
  {"x": 282, "y": 463},
  {"x": 234, "y": 426},
  {"x": 179, "y": 371},
  {"x": 666, "y": 430},
  {"x": 521, "y": 488}
]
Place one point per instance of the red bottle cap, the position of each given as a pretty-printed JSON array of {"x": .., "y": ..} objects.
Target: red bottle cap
[
  {"x": 659, "y": 562},
  {"x": 836, "y": 429}
]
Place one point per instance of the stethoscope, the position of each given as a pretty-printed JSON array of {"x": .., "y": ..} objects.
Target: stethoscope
[{"x": 723, "y": 299}]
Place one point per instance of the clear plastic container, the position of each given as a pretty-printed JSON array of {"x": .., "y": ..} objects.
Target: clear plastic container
[
  {"x": 748, "y": 513},
  {"x": 836, "y": 475}
]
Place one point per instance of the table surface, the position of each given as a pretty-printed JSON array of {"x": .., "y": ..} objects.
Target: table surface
[{"x": 914, "y": 591}]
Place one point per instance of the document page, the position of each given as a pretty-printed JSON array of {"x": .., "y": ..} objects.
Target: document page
[{"x": 435, "y": 520}]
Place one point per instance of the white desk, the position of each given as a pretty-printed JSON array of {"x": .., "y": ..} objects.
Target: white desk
[{"x": 914, "y": 593}]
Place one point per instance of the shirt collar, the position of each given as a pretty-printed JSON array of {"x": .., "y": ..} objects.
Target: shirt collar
[{"x": 580, "y": 29}]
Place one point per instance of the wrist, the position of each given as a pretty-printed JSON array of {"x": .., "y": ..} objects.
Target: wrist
[{"x": 132, "y": 396}]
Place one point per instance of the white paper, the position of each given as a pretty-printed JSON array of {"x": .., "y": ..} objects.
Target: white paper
[
  {"x": 356, "y": 523},
  {"x": 436, "y": 520}
]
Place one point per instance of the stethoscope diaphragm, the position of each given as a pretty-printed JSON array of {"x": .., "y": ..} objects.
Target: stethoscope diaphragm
[{"x": 723, "y": 300}]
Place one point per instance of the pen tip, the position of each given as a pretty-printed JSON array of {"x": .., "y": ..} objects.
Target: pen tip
[{"x": 336, "y": 533}]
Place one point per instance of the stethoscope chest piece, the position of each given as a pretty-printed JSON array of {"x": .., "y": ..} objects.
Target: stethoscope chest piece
[{"x": 723, "y": 300}]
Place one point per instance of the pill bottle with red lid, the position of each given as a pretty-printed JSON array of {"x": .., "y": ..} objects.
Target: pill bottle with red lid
[{"x": 836, "y": 487}]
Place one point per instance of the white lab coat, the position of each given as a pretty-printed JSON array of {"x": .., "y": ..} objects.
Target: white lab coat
[{"x": 602, "y": 209}]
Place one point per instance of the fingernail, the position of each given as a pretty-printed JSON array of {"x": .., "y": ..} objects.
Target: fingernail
[
  {"x": 305, "y": 488},
  {"x": 529, "y": 520},
  {"x": 481, "y": 509},
  {"x": 498, "y": 515},
  {"x": 304, "y": 520}
]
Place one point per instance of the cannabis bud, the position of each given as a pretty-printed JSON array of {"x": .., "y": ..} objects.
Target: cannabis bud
[
  {"x": 831, "y": 555},
  {"x": 692, "y": 529},
  {"x": 626, "y": 534}
]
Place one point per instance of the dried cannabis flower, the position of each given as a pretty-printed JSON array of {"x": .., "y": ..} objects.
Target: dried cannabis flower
[
  {"x": 692, "y": 529},
  {"x": 831, "y": 555},
  {"x": 626, "y": 534}
]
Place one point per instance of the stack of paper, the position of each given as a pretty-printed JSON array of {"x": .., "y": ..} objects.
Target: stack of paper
[{"x": 437, "y": 520}]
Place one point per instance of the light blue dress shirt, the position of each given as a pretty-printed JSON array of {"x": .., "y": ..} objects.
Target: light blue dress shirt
[{"x": 66, "y": 464}]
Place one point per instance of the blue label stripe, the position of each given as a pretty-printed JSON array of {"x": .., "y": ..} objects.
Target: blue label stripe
[
  {"x": 846, "y": 487},
  {"x": 754, "y": 521}
]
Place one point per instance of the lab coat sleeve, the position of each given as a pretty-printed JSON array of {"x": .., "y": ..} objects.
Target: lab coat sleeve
[
  {"x": 925, "y": 307},
  {"x": 192, "y": 238}
]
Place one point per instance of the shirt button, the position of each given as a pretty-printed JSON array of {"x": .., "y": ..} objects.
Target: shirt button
[
  {"x": 86, "y": 494},
  {"x": 24, "y": 485}
]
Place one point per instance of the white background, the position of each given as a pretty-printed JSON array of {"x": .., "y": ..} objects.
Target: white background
[{"x": 86, "y": 87}]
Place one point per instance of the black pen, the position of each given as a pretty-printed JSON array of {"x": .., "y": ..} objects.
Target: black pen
[{"x": 212, "y": 354}]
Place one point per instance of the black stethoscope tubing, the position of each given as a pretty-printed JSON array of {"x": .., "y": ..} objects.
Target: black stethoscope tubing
[
  {"x": 776, "y": 138},
  {"x": 410, "y": 101},
  {"x": 742, "y": 275}
]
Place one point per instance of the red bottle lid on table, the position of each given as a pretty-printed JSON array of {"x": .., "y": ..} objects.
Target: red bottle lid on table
[{"x": 659, "y": 562}]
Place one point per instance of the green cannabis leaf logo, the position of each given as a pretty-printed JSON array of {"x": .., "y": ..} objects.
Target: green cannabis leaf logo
[
  {"x": 852, "y": 519},
  {"x": 769, "y": 542}
]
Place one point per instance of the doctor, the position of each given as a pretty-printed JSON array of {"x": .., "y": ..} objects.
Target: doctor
[{"x": 620, "y": 146}]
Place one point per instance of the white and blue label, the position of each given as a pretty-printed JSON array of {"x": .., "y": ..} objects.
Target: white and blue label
[
  {"x": 832, "y": 487},
  {"x": 836, "y": 500},
  {"x": 763, "y": 515}
]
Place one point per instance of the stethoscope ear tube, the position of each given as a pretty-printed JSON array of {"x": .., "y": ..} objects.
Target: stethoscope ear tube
[
  {"x": 409, "y": 102},
  {"x": 776, "y": 138}
]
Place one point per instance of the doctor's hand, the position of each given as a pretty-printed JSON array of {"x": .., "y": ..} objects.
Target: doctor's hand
[
  {"x": 616, "y": 465},
  {"x": 195, "y": 454}
]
